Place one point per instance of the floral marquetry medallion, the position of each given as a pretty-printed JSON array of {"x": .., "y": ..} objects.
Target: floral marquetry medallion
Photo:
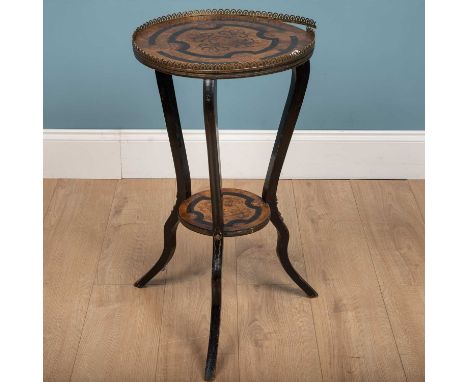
[{"x": 223, "y": 40}]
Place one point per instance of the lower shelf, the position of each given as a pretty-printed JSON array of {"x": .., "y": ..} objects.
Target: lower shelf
[{"x": 244, "y": 212}]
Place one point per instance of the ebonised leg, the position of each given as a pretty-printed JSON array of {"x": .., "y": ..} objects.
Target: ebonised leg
[
  {"x": 170, "y": 228},
  {"x": 212, "y": 355},
  {"x": 210, "y": 112},
  {"x": 297, "y": 89},
  {"x": 179, "y": 156},
  {"x": 282, "y": 251}
]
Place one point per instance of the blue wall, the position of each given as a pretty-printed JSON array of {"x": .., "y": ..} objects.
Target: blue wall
[{"x": 367, "y": 70}]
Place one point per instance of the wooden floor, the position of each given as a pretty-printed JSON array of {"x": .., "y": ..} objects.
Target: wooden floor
[{"x": 360, "y": 244}]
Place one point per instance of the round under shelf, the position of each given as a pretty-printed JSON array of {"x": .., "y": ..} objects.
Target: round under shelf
[{"x": 244, "y": 212}]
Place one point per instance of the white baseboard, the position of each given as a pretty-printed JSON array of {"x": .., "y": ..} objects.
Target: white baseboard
[{"x": 313, "y": 154}]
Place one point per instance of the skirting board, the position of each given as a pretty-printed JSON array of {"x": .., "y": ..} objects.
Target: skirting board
[{"x": 313, "y": 154}]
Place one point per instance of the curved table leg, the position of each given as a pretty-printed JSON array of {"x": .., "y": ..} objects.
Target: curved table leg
[
  {"x": 179, "y": 156},
  {"x": 297, "y": 89},
  {"x": 210, "y": 113},
  {"x": 170, "y": 228},
  {"x": 282, "y": 250}
]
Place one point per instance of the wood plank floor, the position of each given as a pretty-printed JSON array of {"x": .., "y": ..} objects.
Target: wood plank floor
[{"x": 360, "y": 244}]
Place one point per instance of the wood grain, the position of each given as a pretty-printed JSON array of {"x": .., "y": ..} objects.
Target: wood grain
[
  {"x": 257, "y": 262},
  {"x": 276, "y": 335},
  {"x": 394, "y": 230},
  {"x": 418, "y": 188},
  {"x": 134, "y": 239},
  {"x": 353, "y": 332},
  {"x": 187, "y": 304},
  {"x": 48, "y": 187},
  {"x": 121, "y": 336},
  {"x": 354, "y": 242},
  {"x": 276, "y": 329},
  {"x": 395, "y": 233},
  {"x": 74, "y": 230}
]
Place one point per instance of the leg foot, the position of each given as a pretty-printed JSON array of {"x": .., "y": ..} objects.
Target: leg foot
[
  {"x": 170, "y": 228},
  {"x": 282, "y": 251},
  {"x": 210, "y": 368}
]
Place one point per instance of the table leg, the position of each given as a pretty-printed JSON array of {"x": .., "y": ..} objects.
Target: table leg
[
  {"x": 179, "y": 156},
  {"x": 211, "y": 130},
  {"x": 297, "y": 89}
]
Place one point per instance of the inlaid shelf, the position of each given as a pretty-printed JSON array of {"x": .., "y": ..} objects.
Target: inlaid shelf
[{"x": 244, "y": 212}]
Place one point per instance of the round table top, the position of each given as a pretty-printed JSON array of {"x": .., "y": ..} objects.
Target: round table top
[{"x": 224, "y": 43}]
